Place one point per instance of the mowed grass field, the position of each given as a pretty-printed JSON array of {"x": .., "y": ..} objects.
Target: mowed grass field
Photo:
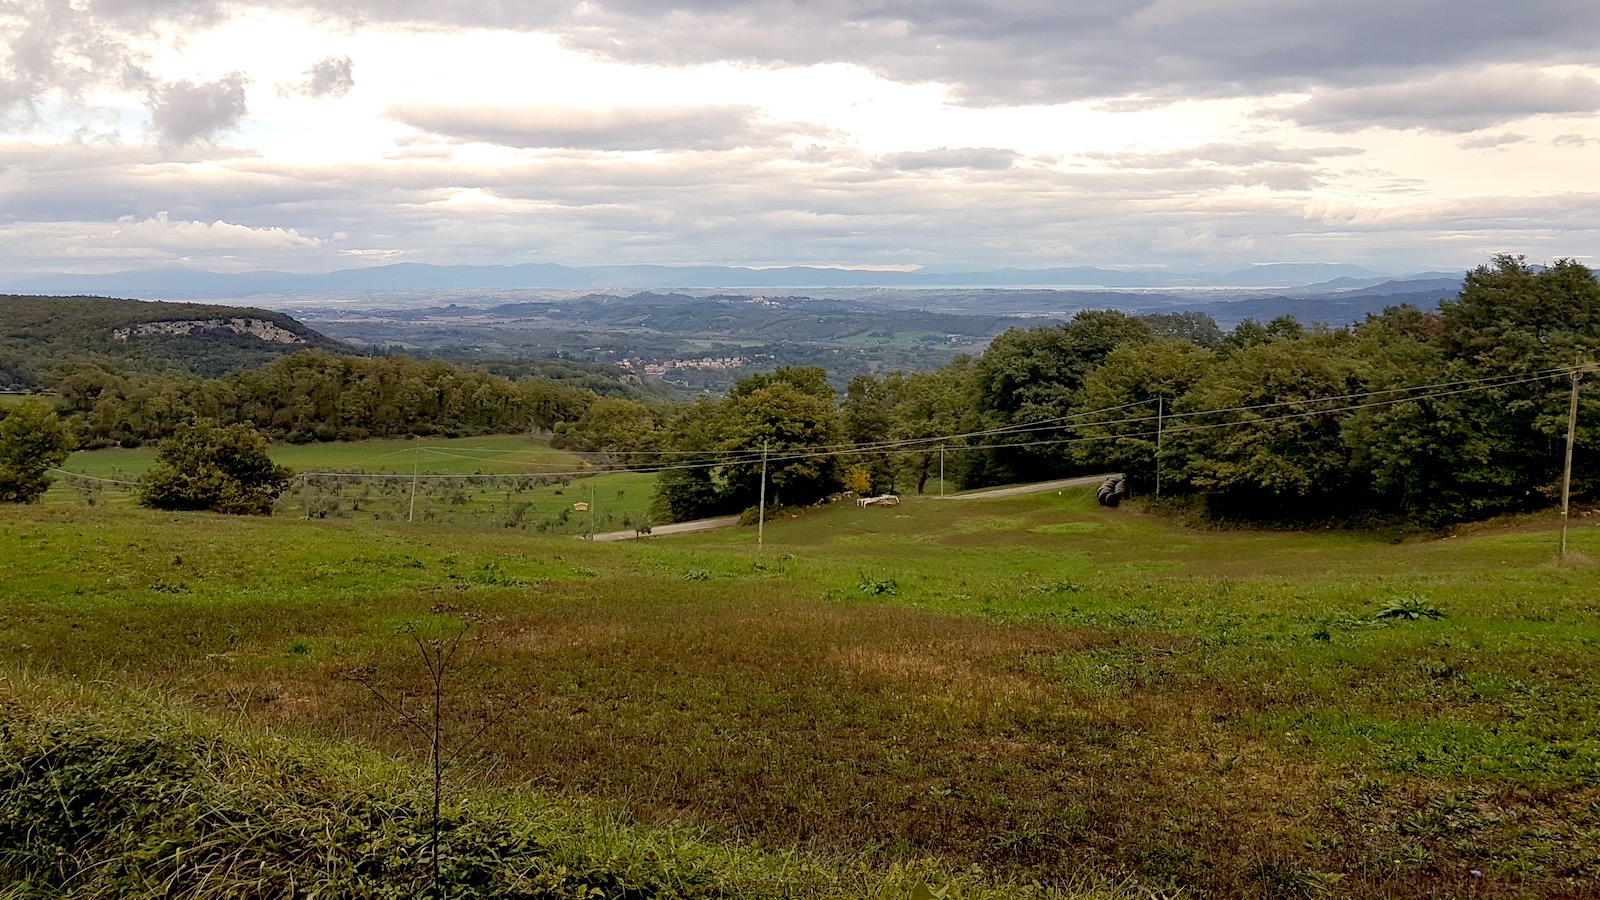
[
  {"x": 495, "y": 454},
  {"x": 510, "y": 481},
  {"x": 1028, "y": 690}
]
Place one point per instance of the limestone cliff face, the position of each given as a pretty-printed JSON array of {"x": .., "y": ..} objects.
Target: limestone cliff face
[{"x": 270, "y": 332}]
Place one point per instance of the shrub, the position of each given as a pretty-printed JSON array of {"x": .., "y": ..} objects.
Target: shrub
[
  {"x": 205, "y": 466},
  {"x": 1410, "y": 609}
]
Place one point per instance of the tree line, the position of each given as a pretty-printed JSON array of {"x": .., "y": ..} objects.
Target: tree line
[
  {"x": 316, "y": 396},
  {"x": 1431, "y": 416}
]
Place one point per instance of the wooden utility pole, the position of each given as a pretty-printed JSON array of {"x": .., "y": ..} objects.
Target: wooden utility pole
[
  {"x": 305, "y": 492},
  {"x": 941, "y": 471},
  {"x": 761, "y": 514},
  {"x": 591, "y": 510},
  {"x": 1566, "y": 474},
  {"x": 415, "y": 464},
  {"x": 1161, "y": 411}
]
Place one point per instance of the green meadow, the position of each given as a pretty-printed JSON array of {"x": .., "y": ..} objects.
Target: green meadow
[
  {"x": 510, "y": 481},
  {"x": 1031, "y": 696},
  {"x": 495, "y": 454}
]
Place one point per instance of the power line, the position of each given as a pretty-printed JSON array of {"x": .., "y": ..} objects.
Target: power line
[
  {"x": 72, "y": 474},
  {"x": 928, "y": 443},
  {"x": 719, "y": 458}
]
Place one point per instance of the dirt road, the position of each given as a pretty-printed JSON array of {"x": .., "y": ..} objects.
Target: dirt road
[
  {"x": 679, "y": 528},
  {"x": 995, "y": 493}
]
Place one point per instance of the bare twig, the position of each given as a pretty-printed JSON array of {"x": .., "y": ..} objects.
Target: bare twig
[{"x": 438, "y": 657}]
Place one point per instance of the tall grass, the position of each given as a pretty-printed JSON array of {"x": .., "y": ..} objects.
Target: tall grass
[{"x": 113, "y": 799}]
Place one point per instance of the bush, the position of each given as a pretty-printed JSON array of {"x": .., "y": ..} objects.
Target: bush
[
  {"x": 205, "y": 466},
  {"x": 118, "y": 806},
  {"x": 32, "y": 442}
]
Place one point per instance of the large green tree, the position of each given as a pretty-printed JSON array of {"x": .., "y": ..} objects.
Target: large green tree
[
  {"x": 32, "y": 442},
  {"x": 690, "y": 485},
  {"x": 626, "y": 431},
  {"x": 1514, "y": 321},
  {"x": 1261, "y": 435},
  {"x": 224, "y": 468},
  {"x": 791, "y": 413},
  {"x": 1121, "y": 402},
  {"x": 933, "y": 406},
  {"x": 1421, "y": 454},
  {"x": 1032, "y": 376},
  {"x": 868, "y": 418}
]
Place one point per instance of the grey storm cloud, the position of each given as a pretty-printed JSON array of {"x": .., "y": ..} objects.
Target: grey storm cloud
[
  {"x": 991, "y": 52},
  {"x": 185, "y": 112},
  {"x": 1026, "y": 51},
  {"x": 620, "y": 128},
  {"x": 332, "y": 77},
  {"x": 1459, "y": 103}
]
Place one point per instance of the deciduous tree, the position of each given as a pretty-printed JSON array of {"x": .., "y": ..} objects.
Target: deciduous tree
[
  {"x": 32, "y": 442},
  {"x": 220, "y": 468}
]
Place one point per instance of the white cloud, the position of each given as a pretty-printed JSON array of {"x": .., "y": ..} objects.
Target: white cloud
[
  {"x": 160, "y": 231},
  {"x": 952, "y": 158},
  {"x": 159, "y": 240},
  {"x": 1492, "y": 141},
  {"x": 620, "y": 128}
]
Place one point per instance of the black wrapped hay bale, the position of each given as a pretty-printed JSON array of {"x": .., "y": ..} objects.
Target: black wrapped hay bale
[{"x": 1110, "y": 493}]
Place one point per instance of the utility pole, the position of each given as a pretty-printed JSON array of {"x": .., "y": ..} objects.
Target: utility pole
[
  {"x": 1161, "y": 411},
  {"x": 591, "y": 510},
  {"x": 941, "y": 471},
  {"x": 1566, "y": 475},
  {"x": 305, "y": 492},
  {"x": 761, "y": 514},
  {"x": 415, "y": 464}
]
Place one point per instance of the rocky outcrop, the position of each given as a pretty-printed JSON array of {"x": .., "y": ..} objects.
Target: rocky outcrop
[{"x": 264, "y": 329}]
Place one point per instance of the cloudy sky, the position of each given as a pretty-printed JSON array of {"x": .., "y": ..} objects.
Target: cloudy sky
[{"x": 311, "y": 135}]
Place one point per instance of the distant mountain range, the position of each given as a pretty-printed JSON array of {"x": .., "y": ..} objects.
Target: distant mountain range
[{"x": 185, "y": 283}]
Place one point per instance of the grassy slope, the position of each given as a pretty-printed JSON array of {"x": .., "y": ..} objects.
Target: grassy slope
[{"x": 1033, "y": 685}]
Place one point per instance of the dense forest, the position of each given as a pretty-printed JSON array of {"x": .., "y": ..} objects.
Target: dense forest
[
  {"x": 317, "y": 396},
  {"x": 1430, "y": 416}
]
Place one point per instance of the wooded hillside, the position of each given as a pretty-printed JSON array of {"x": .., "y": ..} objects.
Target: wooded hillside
[{"x": 44, "y": 338}]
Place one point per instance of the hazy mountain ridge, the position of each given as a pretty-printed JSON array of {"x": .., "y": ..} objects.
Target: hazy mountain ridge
[{"x": 184, "y": 282}]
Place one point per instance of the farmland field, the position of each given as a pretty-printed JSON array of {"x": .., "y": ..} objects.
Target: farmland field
[
  {"x": 507, "y": 480},
  {"x": 498, "y": 454},
  {"x": 1006, "y": 693}
]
